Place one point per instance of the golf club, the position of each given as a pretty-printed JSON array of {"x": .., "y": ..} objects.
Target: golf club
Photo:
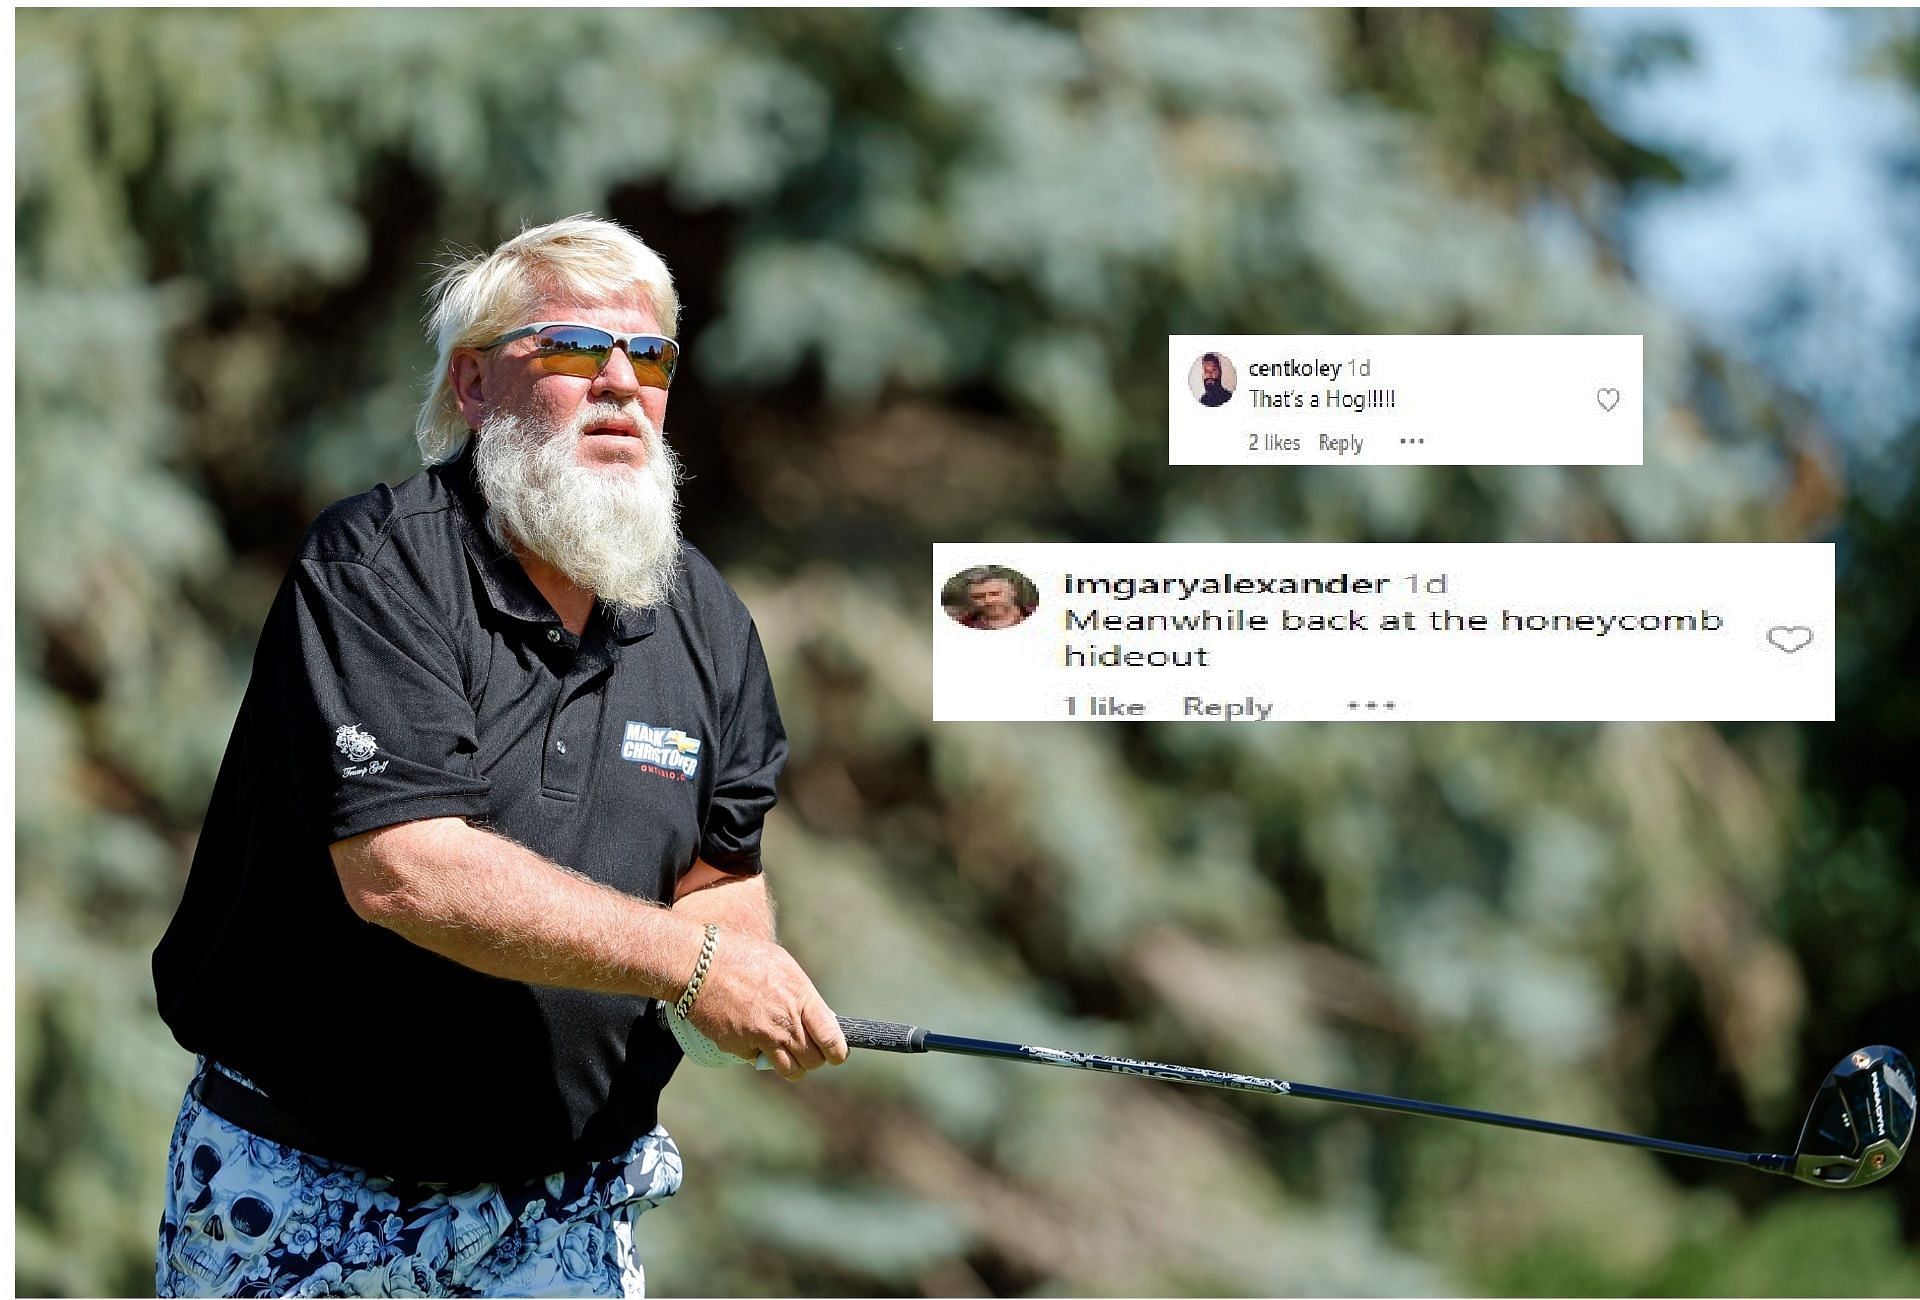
[{"x": 1855, "y": 1133}]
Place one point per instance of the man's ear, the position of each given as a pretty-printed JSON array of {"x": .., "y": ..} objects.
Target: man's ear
[{"x": 466, "y": 378}]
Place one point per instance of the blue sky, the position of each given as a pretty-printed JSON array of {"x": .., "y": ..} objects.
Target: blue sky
[{"x": 1804, "y": 256}]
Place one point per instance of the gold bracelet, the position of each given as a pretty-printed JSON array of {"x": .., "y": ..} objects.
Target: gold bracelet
[{"x": 685, "y": 1004}]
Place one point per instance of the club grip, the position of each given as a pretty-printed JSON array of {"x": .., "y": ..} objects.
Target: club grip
[{"x": 882, "y": 1035}]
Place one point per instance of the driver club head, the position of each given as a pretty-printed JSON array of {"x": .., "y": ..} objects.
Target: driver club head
[{"x": 1860, "y": 1123}]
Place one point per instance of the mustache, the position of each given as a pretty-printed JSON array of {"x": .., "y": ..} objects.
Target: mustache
[{"x": 610, "y": 412}]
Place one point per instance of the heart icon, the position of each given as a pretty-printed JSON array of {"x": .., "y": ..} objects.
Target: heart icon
[
  {"x": 1790, "y": 639},
  {"x": 1608, "y": 398}
]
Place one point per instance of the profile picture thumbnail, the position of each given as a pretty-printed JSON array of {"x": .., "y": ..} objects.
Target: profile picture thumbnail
[
  {"x": 1212, "y": 379},
  {"x": 989, "y": 597}
]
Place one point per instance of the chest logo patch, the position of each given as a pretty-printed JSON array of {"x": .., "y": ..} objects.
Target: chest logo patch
[
  {"x": 356, "y": 744},
  {"x": 664, "y": 751}
]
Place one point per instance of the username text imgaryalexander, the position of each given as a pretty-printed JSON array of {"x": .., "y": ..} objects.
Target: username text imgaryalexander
[{"x": 1244, "y": 603}]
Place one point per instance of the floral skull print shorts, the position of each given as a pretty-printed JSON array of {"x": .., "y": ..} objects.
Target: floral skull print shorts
[{"x": 245, "y": 1216}]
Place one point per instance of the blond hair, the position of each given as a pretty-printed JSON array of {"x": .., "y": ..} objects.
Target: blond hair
[{"x": 479, "y": 296}]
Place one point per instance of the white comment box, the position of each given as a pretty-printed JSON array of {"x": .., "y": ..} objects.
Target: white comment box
[
  {"x": 1405, "y": 399},
  {"x": 1515, "y": 632}
]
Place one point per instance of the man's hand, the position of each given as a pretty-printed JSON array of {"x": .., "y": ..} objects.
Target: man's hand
[{"x": 756, "y": 1000}]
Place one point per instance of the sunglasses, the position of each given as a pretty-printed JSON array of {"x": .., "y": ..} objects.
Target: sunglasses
[{"x": 583, "y": 351}]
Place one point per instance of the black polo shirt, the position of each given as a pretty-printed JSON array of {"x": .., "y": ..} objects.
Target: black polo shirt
[{"x": 408, "y": 669}]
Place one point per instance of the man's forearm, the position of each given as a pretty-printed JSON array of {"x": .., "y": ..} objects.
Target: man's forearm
[
  {"x": 738, "y": 904},
  {"x": 496, "y": 907}
]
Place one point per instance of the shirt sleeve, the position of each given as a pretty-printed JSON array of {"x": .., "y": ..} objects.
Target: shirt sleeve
[
  {"x": 753, "y": 750},
  {"x": 366, "y": 703}
]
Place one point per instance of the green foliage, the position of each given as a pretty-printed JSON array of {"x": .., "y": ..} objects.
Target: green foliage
[
  {"x": 930, "y": 261},
  {"x": 1812, "y": 1247}
]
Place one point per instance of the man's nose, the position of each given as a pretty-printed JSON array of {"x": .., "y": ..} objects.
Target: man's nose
[{"x": 617, "y": 377}]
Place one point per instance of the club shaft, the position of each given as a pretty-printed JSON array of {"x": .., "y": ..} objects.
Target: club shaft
[{"x": 1773, "y": 1164}]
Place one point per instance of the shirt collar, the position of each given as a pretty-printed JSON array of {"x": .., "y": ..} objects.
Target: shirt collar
[{"x": 505, "y": 583}]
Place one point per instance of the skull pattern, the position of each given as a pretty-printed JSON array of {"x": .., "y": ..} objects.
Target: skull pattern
[
  {"x": 239, "y": 1195},
  {"x": 469, "y": 1225},
  {"x": 245, "y": 1216}
]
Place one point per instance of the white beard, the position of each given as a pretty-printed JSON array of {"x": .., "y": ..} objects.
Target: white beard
[{"x": 616, "y": 534}]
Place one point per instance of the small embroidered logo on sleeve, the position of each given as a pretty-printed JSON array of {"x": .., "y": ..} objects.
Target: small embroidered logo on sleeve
[{"x": 356, "y": 744}]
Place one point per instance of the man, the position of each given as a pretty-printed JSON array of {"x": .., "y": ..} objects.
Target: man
[
  {"x": 993, "y": 601},
  {"x": 1214, "y": 392},
  {"x": 497, "y": 785}
]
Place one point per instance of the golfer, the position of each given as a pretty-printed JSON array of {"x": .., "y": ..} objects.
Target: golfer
[{"x": 496, "y": 787}]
